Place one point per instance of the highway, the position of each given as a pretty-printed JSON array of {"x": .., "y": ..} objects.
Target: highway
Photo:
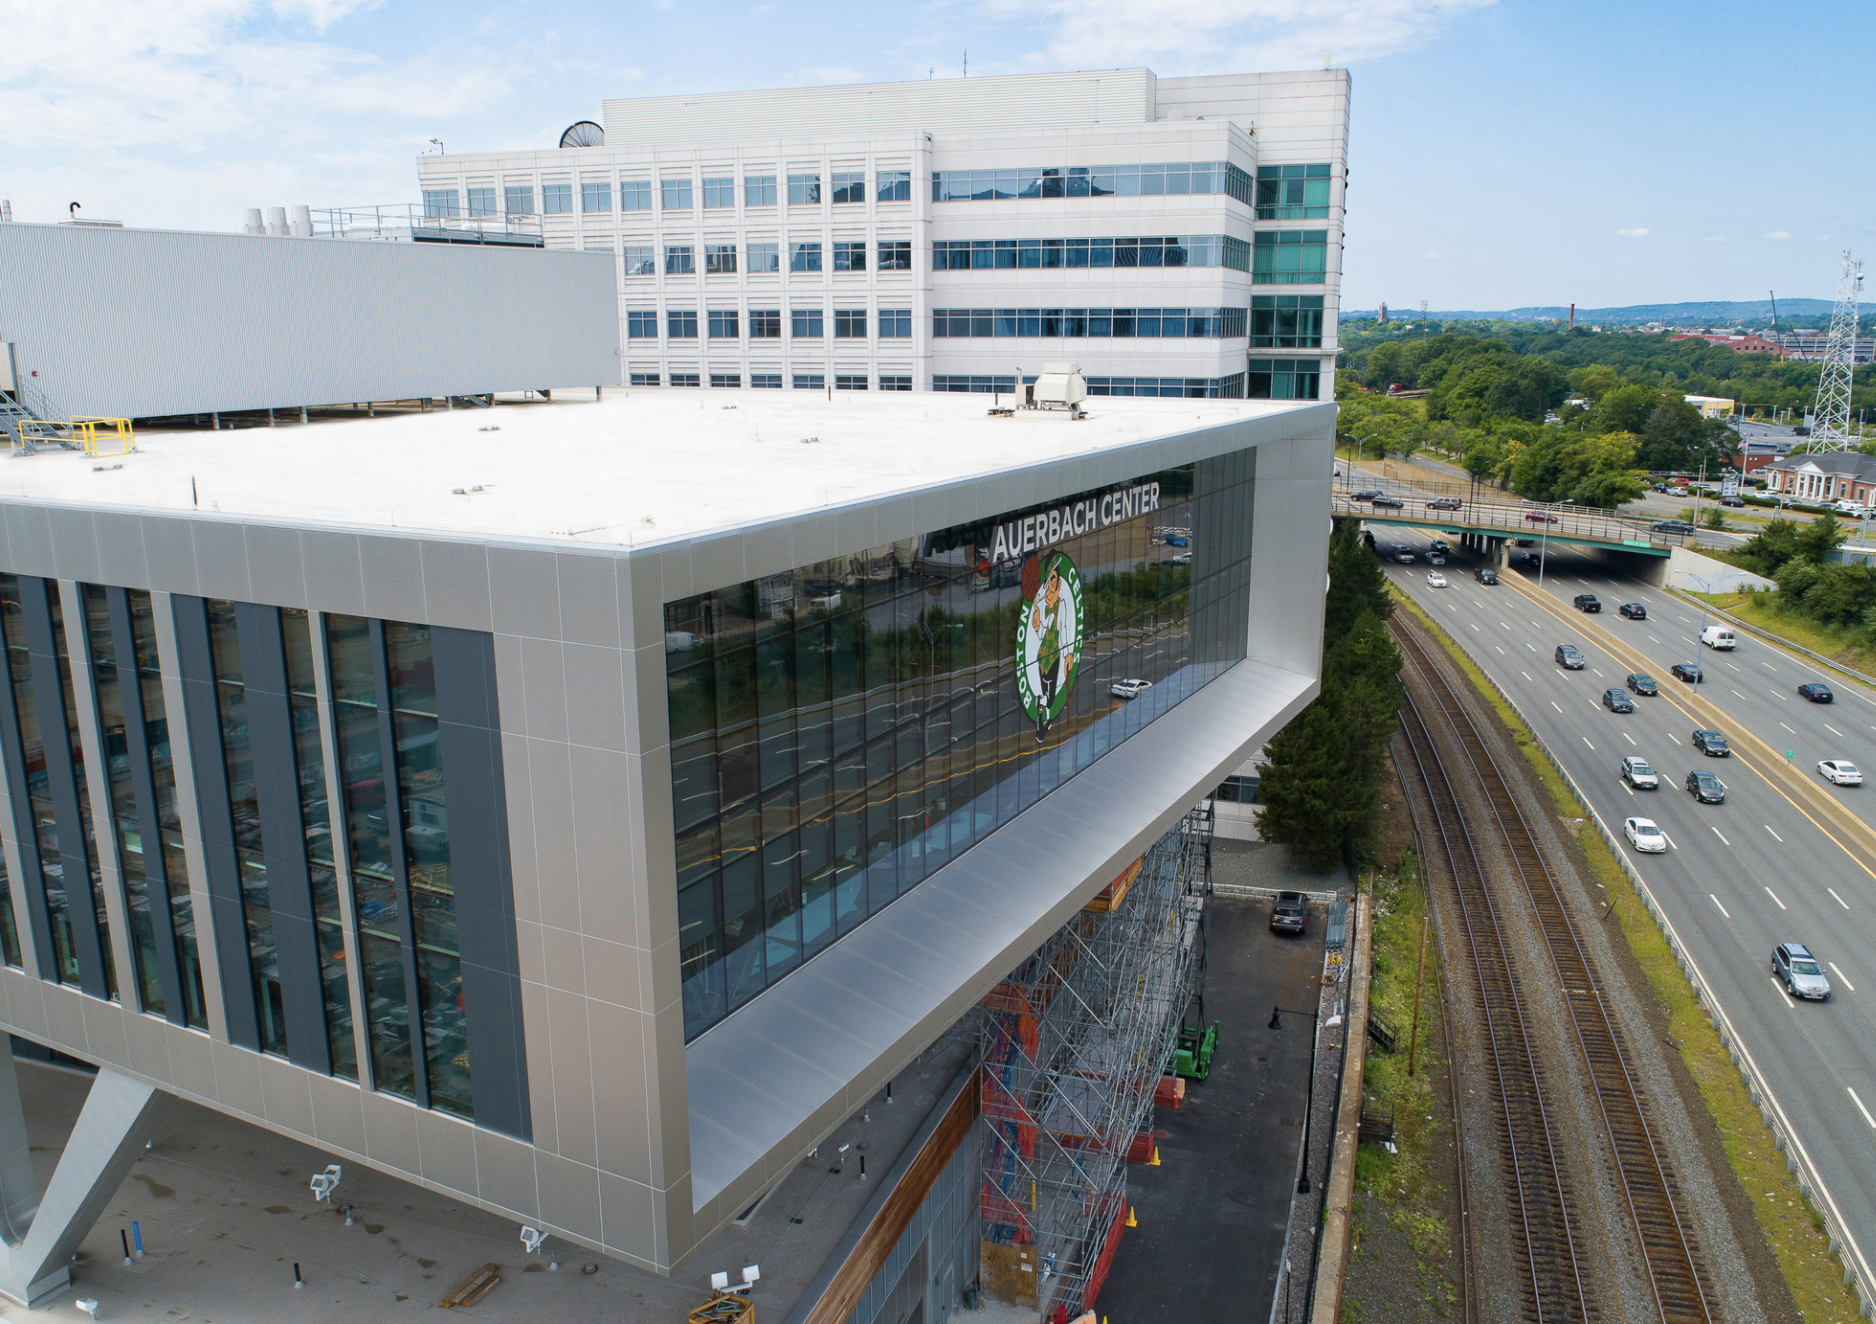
[{"x": 1739, "y": 877}]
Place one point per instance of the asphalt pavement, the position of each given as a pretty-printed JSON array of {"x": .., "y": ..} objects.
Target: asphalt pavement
[{"x": 1739, "y": 877}]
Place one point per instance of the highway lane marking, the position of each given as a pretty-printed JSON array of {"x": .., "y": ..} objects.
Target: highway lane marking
[
  {"x": 1846, "y": 983},
  {"x": 1599, "y": 675},
  {"x": 1670, "y": 840},
  {"x": 1586, "y": 742},
  {"x": 1527, "y": 676},
  {"x": 1473, "y": 626},
  {"x": 1626, "y": 736},
  {"x": 1781, "y": 905},
  {"x": 1785, "y": 697},
  {"x": 1768, "y": 666},
  {"x": 1532, "y": 647},
  {"x": 1731, "y": 665},
  {"x": 1833, "y": 730},
  {"x": 1839, "y": 900},
  {"x": 1859, "y": 1105},
  {"x": 1716, "y": 901},
  {"x": 1652, "y": 639},
  {"x": 1721, "y": 835},
  {"x": 1675, "y": 739},
  {"x": 1737, "y": 693},
  {"x": 1628, "y": 788},
  {"x": 1501, "y": 652},
  {"x": 1683, "y": 620},
  {"x": 1789, "y": 1003},
  {"x": 1788, "y": 728},
  {"x": 1775, "y": 837},
  {"x": 1553, "y": 704},
  {"x": 1450, "y": 607}
]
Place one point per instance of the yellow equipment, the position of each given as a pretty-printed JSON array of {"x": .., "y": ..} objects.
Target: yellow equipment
[
  {"x": 95, "y": 432},
  {"x": 724, "y": 1308}
]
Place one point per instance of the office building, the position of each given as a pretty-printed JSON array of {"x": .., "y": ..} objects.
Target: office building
[
  {"x": 583, "y": 818},
  {"x": 1174, "y": 236}
]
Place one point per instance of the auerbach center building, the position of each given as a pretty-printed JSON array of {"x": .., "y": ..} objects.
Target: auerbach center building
[{"x": 583, "y": 819}]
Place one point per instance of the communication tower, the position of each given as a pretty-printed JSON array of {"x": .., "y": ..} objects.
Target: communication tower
[{"x": 1830, "y": 430}]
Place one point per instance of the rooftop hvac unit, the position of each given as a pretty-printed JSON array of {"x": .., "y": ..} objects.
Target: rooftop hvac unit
[
  {"x": 300, "y": 223},
  {"x": 251, "y": 222},
  {"x": 276, "y": 220},
  {"x": 1061, "y": 386}
]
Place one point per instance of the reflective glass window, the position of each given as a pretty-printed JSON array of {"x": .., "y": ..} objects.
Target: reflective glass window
[
  {"x": 596, "y": 196},
  {"x": 52, "y": 861}
]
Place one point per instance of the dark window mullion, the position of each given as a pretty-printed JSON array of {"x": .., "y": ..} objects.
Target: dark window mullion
[
  {"x": 155, "y": 872},
  {"x": 25, "y": 828},
  {"x": 62, "y": 781},
  {"x": 400, "y": 872}
]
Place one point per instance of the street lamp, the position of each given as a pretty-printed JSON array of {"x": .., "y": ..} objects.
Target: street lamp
[{"x": 1706, "y": 593}]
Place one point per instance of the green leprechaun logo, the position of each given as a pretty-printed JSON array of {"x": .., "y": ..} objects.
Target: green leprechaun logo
[{"x": 1048, "y": 637}]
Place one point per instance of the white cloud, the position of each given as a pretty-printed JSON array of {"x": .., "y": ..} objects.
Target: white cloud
[
  {"x": 176, "y": 113},
  {"x": 1639, "y": 232},
  {"x": 1211, "y": 36},
  {"x": 1714, "y": 239},
  {"x": 1779, "y": 234}
]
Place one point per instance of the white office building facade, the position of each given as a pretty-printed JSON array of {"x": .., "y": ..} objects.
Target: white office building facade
[{"x": 1176, "y": 237}]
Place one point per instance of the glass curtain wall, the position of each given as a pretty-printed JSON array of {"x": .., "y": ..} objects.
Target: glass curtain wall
[
  {"x": 68, "y": 700},
  {"x": 244, "y": 805},
  {"x": 125, "y": 823},
  {"x": 168, "y": 815},
  {"x": 309, "y": 758},
  {"x": 422, "y": 793},
  {"x": 368, "y": 836},
  {"x": 842, "y": 730}
]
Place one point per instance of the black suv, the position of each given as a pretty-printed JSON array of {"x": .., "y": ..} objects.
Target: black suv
[
  {"x": 1569, "y": 657},
  {"x": 1391, "y": 503},
  {"x": 1706, "y": 788},
  {"x": 1586, "y": 602},
  {"x": 1642, "y": 683},
  {"x": 1444, "y": 503},
  {"x": 1369, "y": 495},
  {"x": 1288, "y": 914},
  {"x": 1634, "y": 611},
  {"x": 1711, "y": 743},
  {"x": 1485, "y": 575}
]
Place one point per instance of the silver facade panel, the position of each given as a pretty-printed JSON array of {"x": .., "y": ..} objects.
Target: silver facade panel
[{"x": 144, "y": 323}]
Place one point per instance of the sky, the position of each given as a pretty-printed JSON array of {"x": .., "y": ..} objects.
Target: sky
[{"x": 1503, "y": 153}]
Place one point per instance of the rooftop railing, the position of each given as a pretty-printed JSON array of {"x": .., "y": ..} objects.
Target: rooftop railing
[{"x": 409, "y": 221}]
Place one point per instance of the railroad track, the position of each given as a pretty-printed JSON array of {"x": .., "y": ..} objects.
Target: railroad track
[
  {"x": 1679, "y": 1294},
  {"x": 1536, "y": 1194}
]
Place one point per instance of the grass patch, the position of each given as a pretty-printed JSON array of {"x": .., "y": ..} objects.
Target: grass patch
[
  {"x": 1405, "y": 1185},
  {"x": 1840, "y": 645},
  {"x": 1791, "y": 1229}
]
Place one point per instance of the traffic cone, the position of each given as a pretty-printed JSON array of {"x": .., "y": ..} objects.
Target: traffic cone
[
  {"x": 1155, "y": 1162},
  {"x": 1131, "y": 1220}
]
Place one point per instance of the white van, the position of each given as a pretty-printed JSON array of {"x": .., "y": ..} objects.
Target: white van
[{"x": 1718, "y": 636}]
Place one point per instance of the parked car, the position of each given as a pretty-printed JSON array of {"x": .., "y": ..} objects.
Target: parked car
[
  {"x": 1289, "y": 914},
  {"x": 1617, "y": 701},
  {"x": 1633, "y": 611},
  {"x": 1637, "y": 773},
  {"x": 1387, "y": 502},
  {"x": 1586, "y": 602},
  {"x": 1840, "y": 773},
  {"x": 1131, "y": 688},
  {"x": 1643, "y": 835},
  {"x": 1569, "y": 657},
  {"x": 1687, "y": 671},
  {"x": 1711, "y": 743},
  {"x": 1815, "y": 692},
  {"x": 1706, "y": 788},
  {"x": 1642, "y": 683},
  {"x": 1444, "y": 503},
  {"x": 1435, "y": 579},
  {"x": 1799, "y": 971},
  {"x": 1485, "y": 575},
  {"x": 1733, "y": 501},
  {"x": 1540, "y": 517}
]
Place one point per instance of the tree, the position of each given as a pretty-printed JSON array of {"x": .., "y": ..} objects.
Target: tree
[
  {"x": 1820, "y": 537},
  {"x": 1714, "y": 519},
  {"x": 1767, "y": 552},
  {"x": 1356, "y": 584}
]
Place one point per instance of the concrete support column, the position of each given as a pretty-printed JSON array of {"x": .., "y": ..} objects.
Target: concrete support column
[{"x": 119, "y": 1116}]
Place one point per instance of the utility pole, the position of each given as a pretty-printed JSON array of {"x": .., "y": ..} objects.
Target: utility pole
[{"x": 1831, "y": 429}]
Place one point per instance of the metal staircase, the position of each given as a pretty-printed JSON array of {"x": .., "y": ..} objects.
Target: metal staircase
[{"x": 27, "y": 420}]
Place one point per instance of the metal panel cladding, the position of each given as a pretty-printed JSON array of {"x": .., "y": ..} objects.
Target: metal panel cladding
[{"x": 144, "y": 323}]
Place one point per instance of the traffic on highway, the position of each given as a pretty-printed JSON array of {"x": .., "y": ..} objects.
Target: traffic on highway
[{"x": 1749, "y": 876}]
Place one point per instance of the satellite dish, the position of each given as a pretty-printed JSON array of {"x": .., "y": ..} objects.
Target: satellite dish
[{"x": 584, "y": 134}]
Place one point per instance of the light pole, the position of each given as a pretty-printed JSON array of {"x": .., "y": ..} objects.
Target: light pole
[{"x": 1706, "y": 594}]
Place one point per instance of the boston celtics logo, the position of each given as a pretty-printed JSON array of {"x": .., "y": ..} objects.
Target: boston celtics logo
[{"x": 1048, "y": 637}]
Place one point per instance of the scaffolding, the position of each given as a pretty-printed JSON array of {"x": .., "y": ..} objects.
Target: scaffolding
[{"x": 1072, "y": 1047}]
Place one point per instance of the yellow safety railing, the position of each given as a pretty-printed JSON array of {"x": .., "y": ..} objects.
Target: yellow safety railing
[{"x": 100, "y": 435}]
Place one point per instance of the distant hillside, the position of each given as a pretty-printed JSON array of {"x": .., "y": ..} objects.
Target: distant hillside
[{"x": 1715, "y": 313}]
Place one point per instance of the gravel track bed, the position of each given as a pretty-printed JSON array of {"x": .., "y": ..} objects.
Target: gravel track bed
[{"x": 1707, "y": 1193}]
